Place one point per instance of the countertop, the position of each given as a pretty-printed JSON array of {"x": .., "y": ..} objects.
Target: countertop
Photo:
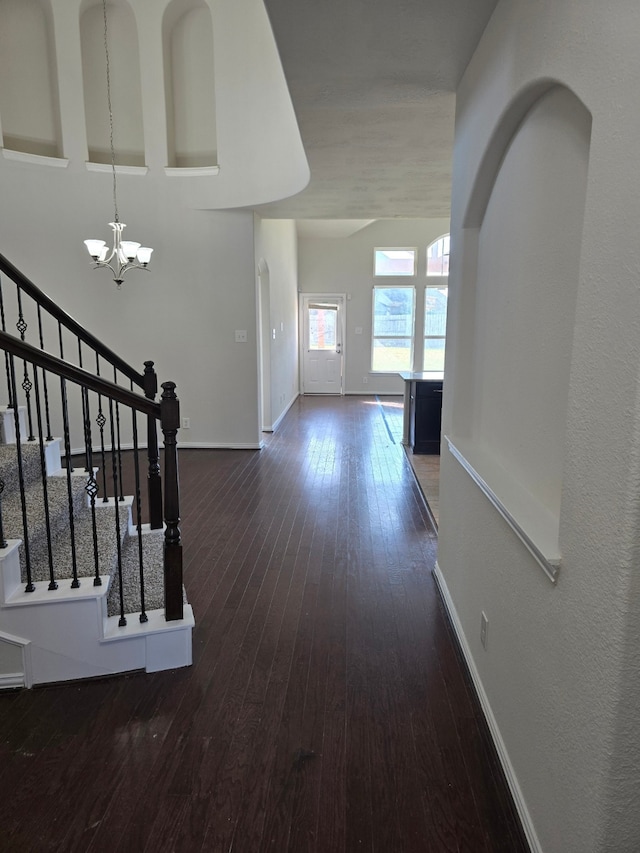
[{"x": 427, "y": 376}]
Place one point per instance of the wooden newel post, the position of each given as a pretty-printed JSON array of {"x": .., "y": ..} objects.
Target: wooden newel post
[
  {"x": 154, "y": 481},
  {"x": 170, "y": 422}
]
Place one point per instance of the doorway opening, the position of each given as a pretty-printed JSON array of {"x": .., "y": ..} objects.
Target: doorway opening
[{"x": 322, "y": 338}]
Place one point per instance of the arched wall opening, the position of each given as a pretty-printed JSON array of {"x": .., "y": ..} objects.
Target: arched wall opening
[
  {"x": 517, "y": 310},
  {"x": 124, "y": 77},
  {"x": 188, "y": 60},
  {"x": 29, "y": 105}
]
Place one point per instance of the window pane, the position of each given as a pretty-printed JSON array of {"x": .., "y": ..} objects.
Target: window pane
[
  {"x": 438, "y": 257},
  {"x": 434, "y": 354},
  {"x": 322, "y": 328},
  {"x": 435, "y": 310},
  {"x": 393, "y": 311},
  {"x": 391, "y": 355},
  {"x": 395, "y": 262}
]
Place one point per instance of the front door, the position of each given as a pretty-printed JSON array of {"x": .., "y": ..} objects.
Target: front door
[{"x": 322, "y": 337}]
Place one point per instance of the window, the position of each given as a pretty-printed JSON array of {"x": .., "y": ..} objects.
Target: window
[
  {"x": 323, "y": 323},
  {"x": 435, "y": 324},
  {"x": 393, "y": 319},
  {"x": 438, "y": 256},
  {"x": 395, "y": 261}
]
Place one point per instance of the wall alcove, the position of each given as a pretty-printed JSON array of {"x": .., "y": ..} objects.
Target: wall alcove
[
  {"x": 518, "y": 309},
  {"x": 124, "y": 73},
  {"x": 29, "y": 108},
  {"x": 188, "y": 60}
]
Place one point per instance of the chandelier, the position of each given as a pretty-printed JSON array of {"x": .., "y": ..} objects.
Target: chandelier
[{"x": 125, "y": 255}]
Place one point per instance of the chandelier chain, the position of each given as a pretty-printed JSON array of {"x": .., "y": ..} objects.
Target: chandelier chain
[{"x": 113, "y": 153}]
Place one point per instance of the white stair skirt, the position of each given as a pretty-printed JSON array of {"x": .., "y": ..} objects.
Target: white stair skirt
[{"x": 65, "y": 634}]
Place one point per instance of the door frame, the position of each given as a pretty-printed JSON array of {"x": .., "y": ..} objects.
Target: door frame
[{"x": 301, "y": 320}]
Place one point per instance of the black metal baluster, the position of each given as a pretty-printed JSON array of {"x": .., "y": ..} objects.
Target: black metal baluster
[
  {"x": 154, "y": 481},
  {"x": 101, "y": 421},
  {"x": 23, "y": 501},
  {"x": 3, "y": 541},
  {"x": 84, "y": 413},
  {"x": 65, "y": 410},
  {"x": 44, "y": 379},
  {"x": 91, "y": 488},
  {"x": 120, "y": 495},
  {"x": 114, "y": 465},
  {"x": 27, "y": 385},
  {"x": 66, "y": 434},
  {"x": 6, "y": 355},
  {"x": 136, "y": 465},
  {"x": 45, "y": 487}
]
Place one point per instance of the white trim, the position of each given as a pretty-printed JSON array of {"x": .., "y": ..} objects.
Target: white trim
[
  {"x": 218, "y": 445},
  {"x": 191, "y": 171},
  {"x": 120, "y": 170},
  {"x": 43, "y": 595},
  {"x": 279, "y": 420},
  {"x": 501, "y": 749},
  {"x": 12, "y": 680},
  {"x": 313, "y": 294},
  {"x": 542, "y": 540},
  {"x": 35, "y": 159},
  {"x": 187, "y": 445}
]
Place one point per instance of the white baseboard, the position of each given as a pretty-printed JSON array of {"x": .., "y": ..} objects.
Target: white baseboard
[
  {"x": 187, "y": 445},
  {"x": 10, "y": 681},
  {"x": 501, "y": 749},
  {"x": 280, "y": 418}
]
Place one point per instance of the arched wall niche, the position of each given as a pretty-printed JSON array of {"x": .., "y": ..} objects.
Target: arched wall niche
[
  {"x": 188, "y": 60},
  {"x": 124, "y": 74},
  {"x": 29, "y": 103},
  {"x": 519, "y": 296},
  {"x": 499, "y": 142}
]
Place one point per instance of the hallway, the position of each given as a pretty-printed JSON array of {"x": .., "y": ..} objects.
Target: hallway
[{"x": 327, "y": 708}]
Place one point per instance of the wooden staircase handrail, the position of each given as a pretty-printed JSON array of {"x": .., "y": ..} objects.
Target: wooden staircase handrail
[
  {"x": 66, "y": 320},
  {"x": 78, "y": 375}
]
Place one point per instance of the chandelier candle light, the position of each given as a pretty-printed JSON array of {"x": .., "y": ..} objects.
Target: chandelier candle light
[{"x": 126, "y": 254}]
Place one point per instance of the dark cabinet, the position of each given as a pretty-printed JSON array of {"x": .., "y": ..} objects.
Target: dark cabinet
[{"x": 426, "y": 416}]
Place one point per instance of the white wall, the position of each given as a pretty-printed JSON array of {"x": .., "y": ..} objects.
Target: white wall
[
  {"x": 277, "y": 263},
  {"x": 345, "y": 265},
  {"x": 202, "y": 284},
  {"x": 559, "y": 673},
  {"x": 182, "y": 314}
]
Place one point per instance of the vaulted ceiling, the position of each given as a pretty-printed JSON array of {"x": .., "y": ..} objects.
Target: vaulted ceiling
[{"x": 373, "y": 86}]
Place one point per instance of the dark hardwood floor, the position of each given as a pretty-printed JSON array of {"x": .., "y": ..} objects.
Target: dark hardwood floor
[{"x": 327, "y": 708}]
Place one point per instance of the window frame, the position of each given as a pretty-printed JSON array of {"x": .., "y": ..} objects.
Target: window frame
[
  {"x": 426, "y": 337},
  {"x": 445, "y": 239},
  {"x": 412, "y": 249}
]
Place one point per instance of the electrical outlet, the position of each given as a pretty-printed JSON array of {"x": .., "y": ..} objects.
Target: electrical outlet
[
  {"x": 484, "y": 629},
  {"x": 186, "y": 423},
  {"x": 365, "y": 380}
]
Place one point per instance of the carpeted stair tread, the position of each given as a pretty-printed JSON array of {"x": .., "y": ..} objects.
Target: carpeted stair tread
[
  {"x": 31, "y": 470},
  {"x": 153, "y": 563},
  {"x": 83, "y": 534},
  {"x": 58, "y": 501}
]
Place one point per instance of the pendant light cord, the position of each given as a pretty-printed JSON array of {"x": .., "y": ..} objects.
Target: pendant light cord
[{"x": 113, "y": 153}]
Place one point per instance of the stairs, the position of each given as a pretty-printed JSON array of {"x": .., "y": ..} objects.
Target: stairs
[{"x": 52, "y": 635}]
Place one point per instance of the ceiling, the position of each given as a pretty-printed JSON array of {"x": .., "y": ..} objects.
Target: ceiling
[{"x": 372, "y": 84}]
